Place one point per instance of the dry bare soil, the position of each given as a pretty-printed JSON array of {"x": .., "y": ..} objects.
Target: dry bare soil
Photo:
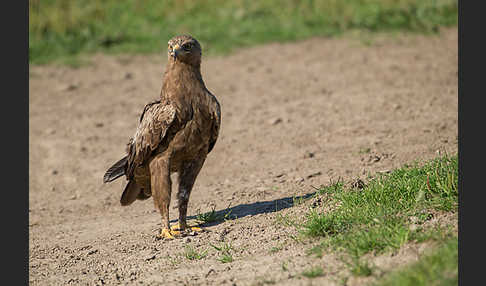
[{"x": 294, "y": 116}]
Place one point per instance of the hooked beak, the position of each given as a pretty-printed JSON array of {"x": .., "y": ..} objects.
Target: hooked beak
[{"x": 175, "y": 52}]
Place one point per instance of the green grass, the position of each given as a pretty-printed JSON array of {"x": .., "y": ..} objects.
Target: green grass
[
  {"x": 209, "y": 217},
  {"x": 192, "y": 254},
  {"x": 213, "y": 216},
  {"x": 377, "y": 218},
  {"x": 226, "y": 258},
  {"x": 437, "y": 268},
  {"x": 275, "y": 249},
  {"x": 225, "y": 251},
  {"x": 61, "y": 29},
  {"x": 313, "y": 272},
  {"x": 286, "y": 220},
  {"x": 360, "y": 267}
]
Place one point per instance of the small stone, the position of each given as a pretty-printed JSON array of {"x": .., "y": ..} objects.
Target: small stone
[
  {"x": 358, "y": 184},
  {"x": 92, "y": 252},
  {"x": 148, "y": 255},
  {"x": 69, "y": 87},
  {"x": 315, "y": 174},
  {"x": 275, "y": 121},
  {"x": 308, "y": 155},
  {"x": 209, "y": 272},
  {"x": 374, "y": 159}
]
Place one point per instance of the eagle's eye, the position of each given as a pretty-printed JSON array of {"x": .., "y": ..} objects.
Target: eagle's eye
[{"x": 187, "y": 47}]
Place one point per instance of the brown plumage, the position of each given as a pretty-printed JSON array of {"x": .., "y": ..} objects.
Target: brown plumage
[{"x": 175, "y": 134}]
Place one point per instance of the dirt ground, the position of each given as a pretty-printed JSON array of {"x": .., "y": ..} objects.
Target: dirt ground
[{"x": 294, "y": 116}]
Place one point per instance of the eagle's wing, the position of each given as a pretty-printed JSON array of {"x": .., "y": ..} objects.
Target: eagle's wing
[
  {"x": 156, "y": 119},
  {"x": 216, "y": 114}
]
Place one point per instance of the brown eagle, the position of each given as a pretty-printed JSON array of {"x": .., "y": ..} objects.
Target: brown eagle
[{"x": 174, "y": 134}]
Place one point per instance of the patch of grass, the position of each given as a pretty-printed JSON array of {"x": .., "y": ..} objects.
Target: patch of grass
[
  {"x": 376, "y": 218},
  {"x": 332, "y": 188},
  {"x": 285, "y": 220},
  {"x": 59, "y": 28},
  {"x": 360, "y": 267},
  {"x": 225, "y": 250},
  {"x": 364, "y": 150},
  {"x": 284, "y": 266},
  {"x": 297, "y": 201},
  {"x": 264, "y": 281},
  {"x": 225, "y": 258},
  {"x": 313, "y": 272},
  {"x": 213, "y": 216},
  {"x": 276, "y": 249},
  {"x": 209, "y": 217},
  {"x": 437, "y": 268},
  {"x": 191, "y": 254},
  {"x": 437, "y": 233}
]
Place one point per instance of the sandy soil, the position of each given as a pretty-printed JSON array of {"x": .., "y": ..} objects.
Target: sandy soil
[{"x": 294, "y": 116}]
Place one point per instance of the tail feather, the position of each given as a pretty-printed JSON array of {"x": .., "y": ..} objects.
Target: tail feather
[
  {"x": 115, "y": 171},
  {"x": 130, "y": 193}
]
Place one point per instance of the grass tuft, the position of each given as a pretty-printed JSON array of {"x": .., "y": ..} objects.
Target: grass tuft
[
  {"x": 313, "y": 272},
  {"x": 213, "y": 216},
  {"x": 209, "y": 217},
  {"x": 360, "y": 267},
  {"x": 191, "y": 254},
  {"x": 225, "y": 251},
  {"x": 275, "y": 249}
]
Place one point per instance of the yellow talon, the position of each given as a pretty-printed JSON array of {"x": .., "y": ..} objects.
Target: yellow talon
[
  {"x": 168, "y": 234},
  {"x": 195, "y": 228},
  {"x": 175, "y": 233},
  {"x": 177, "y": 227}
]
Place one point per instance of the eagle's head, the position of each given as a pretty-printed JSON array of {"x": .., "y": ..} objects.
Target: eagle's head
[{"x": 186, "y": 49}]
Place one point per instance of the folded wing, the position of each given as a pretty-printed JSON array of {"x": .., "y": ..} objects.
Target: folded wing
[
  {"x": 156, "y": 119},
  {"x": 216, "y": 114}
]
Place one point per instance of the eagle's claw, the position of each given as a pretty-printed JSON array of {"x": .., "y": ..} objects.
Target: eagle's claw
[
  {"x": 193, "y": 228},
  {"x": 168, "y": 234}
]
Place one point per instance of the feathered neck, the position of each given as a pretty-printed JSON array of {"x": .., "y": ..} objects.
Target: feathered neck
[{"x": 179, "y": 78}]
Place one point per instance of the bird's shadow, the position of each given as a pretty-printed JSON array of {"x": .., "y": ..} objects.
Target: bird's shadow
[{"x": 243, "y": 210}]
